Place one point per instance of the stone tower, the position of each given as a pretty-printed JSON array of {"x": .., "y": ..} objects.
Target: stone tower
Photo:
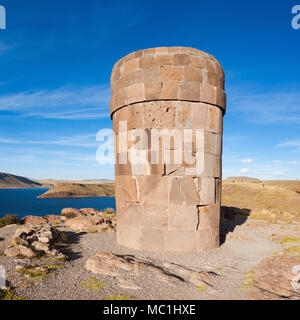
[{"x": 167, "y": 106}]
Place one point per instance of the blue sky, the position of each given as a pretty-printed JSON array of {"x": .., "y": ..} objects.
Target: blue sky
[{"x": 55, "y": 63}]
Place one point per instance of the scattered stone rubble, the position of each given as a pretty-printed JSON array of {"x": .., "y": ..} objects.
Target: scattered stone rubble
[
  {"x": 80, "y": 220},
  {"x": 31, "y": 241},
  {"x": 89, "y": 220}
]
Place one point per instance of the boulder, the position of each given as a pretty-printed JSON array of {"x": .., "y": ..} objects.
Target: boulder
[
  {"x": 81, "y": 223},
  {"x": 274, "y": 278},
  {"x": 19, "y": 250},
  {"x": 71, "y": 212},
  {"x": 53, "y": 219},
  {"x": 110, "y": 264},
  {"x": 34, "y": 220}
]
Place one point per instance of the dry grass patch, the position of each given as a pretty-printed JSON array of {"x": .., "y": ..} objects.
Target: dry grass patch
[{"x": 92, "y": 284}]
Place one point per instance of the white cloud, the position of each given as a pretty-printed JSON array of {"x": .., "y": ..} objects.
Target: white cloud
[
  {"x": 4, "y": 47},
  {"x": 87, "y": 141},
  {"x": 276, "y": 161},
  {"x": 62, "y": 103},
  {"x": 244, "y": 170},
  {"x": 290, "y": 143},
  {"x": 274, "y": 106},
  {"x": 296, "y": 163},
  {"x": 278, "y": 173},
  {"x": 247, "y": 160}
]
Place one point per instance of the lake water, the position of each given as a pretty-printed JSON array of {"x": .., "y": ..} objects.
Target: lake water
[{"x": 24, "y": 202}]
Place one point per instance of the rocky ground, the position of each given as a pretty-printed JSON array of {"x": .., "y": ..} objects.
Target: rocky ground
[{"x": 76, "y": 256}]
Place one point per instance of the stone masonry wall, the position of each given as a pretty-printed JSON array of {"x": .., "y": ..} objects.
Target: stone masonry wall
[{"x": 169, "y": 206}]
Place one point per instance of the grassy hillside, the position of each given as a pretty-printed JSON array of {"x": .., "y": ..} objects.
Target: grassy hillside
[
  {"x": 10, "y": 181},
  {"x": 266, "y": 200},
  {"x": 69, "y": 190}
]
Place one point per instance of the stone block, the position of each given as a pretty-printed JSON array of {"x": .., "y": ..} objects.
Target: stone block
[
  {"x": 218, "y": 183},
  {"x": 192, "y": 74},
  {"x": 212, "y": 79},
  {"x": 208, "y": 93},
  {"x": 183, "y": 217},
  {"x": 189, "y": 90},
  {"x": 152, "y": 240},
  {"x": 183, "y": 115},
  {"x": 150, "y": 74},
  {"x": 207, "y": 240},
  {"x": 163, "y": 60},
  {"x": 210, "y": 66},
  {"x": 206, "y": 189},
  {"x": 181, "y": 60},
  {"x": 170, "y": 90},
  {"x": 209, "y": 217},
  {"x": 153, "y": 90},
  {"x": 146, "y": 62},
  {"x": 126, "y": 188},
  {"x": 180, "y": 241},
  {"x": 153, "y": 189},
  {"x": 155, "y": 216},
  {"x": 129, "y": 66},
  {"x": 221, "y": 98},
  {"x": 160, "y": 114},
  {"x": 197, "y": 62},
  {"x": 136, "y": 93},
  {"x": 170, "y": 73},
  {"x": 214, "y": 119},
  {"x": 182, "y": 191},
  {"x": 130, "y": 224},
  {"x": 199, "y": 116}
]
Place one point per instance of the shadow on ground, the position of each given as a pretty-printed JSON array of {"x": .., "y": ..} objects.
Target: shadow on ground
[
  {"x": 65, "y": 247},
  {"x": 230, "y": 218}
]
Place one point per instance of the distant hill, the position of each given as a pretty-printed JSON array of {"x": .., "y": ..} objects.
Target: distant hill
[
  {"x": 243, "y": 178},
  {"x": 70, "y": 190},
  {"x": 10, "y": 181}
]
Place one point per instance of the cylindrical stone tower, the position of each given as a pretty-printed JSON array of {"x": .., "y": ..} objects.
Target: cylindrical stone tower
[{"x": 168, "y": 104}]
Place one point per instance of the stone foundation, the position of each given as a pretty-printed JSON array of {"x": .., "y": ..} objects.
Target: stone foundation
[{"x": 167, "y": 205}]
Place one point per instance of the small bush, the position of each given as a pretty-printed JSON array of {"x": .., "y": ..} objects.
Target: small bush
[
  {"x": 70, "y": 215},
  {"x": 109, "y": 211},
  {"x": 8, "y": 219},
  {"x": 9, "y": 294}
]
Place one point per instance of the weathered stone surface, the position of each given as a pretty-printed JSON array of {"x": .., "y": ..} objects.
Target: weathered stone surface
[
  {"x": 71, "y": 212},
  {"x": 19, "y": 250},
  {"x": 180, "y": 74},
  {"x": 90, "y": 223},
  {"x": 183, "y": 218},
  {"x": 130, "y": 223},
  {"x": 274, "y": 278},
  {"x": 110, "y": 264},
  {"x": 171, "y": 200},
  {"x": 35, "y": 220},
  {"x": 53, "y": 219}
]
